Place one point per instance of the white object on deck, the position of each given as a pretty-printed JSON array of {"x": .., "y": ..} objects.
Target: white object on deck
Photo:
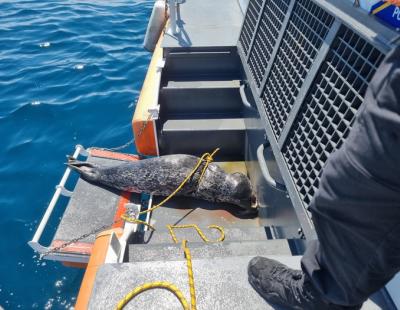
[
  {"x": 173, "y": 8},
  {"x": 155, "y": 25},
  {"x": 116, "y": 249}
]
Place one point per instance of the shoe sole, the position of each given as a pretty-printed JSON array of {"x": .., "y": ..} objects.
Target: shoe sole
[{"x": 274, "y": 306}]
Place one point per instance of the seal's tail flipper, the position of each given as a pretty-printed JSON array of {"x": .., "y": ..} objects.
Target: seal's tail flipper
[{"x": 85, "y": 169}]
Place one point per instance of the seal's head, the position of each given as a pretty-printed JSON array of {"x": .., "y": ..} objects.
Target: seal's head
[
  {"x": 241, "y": 191},
  {"x": 88, "y": 171}
]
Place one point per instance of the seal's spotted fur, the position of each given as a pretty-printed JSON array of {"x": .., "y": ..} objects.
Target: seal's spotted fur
[{"x": 162, "y": 175}]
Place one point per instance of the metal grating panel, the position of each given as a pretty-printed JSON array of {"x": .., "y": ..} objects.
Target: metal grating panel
[
  {"x": 307, "y": 28},
  {"x": 249, "y": 24},
  {"x": 266, "y": 36},
  {"x": 329, "y": 109}
]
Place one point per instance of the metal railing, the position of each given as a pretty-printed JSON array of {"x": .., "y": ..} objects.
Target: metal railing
[{"x": 60, "y": 191}]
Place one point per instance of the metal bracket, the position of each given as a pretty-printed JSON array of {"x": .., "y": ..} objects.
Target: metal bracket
[
  {"x": 64, "y": 191},
  {"x": 82, "y": 150},
  {"x": 154, "y": 112},
  {"x": 114, "y": 250},
  {"x": 133, "y": 210},
  {"x": 160, "y": 64}
]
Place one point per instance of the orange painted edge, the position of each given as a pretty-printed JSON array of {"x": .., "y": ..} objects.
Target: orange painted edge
[
  {"x": 77, "y": 247},
  {"x": 147, "y": 143},
  {"x": 97, "y": 259},
  {"x": 125, "y": 198},
  {"x": 112, "y": 155},
  {"x": 75, "y": 265}
]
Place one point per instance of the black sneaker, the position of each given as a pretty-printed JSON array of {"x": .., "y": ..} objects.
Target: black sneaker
[{"x": 285, "y": 287}]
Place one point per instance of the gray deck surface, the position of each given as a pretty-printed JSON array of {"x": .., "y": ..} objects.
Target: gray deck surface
[
  {"x": 90, "y": 207},
  {"x": 182, "y": 210},
  {"x": 156, "y": 252},
  {"x": 226, "y": 124},
  {"x": 221, "y": 283},
  {"x": 201, "y": 26},
  {"x": 240, "y": 233},
  {"x": 203, "y": 84}
]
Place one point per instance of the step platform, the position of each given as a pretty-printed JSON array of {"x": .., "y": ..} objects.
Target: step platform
[
  {"x": 221, "y": 283},
  {"x": 197, "y": 136},
  {"x": 90, "y": 207},
  {"x": 173, "y": 252}
]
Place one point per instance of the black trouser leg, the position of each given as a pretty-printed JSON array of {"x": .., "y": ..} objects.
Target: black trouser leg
[{"x": 356, "y": 210}]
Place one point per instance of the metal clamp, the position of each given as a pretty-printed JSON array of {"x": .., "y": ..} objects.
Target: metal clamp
[
  {"x": 265, "y": 171},
  {"x": 60, "y": 190},
  {"x": 154, "y": 112}
]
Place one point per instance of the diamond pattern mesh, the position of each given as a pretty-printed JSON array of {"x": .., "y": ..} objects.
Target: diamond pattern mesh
[
  {"x": 266, "y": 36},
  {"x": 249, "y": 25},
  {"x": 307, "y": 28},
  {"x": 329, "y": 109}
]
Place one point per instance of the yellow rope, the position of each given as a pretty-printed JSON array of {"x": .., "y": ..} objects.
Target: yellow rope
[
  {"x": 198, "y": 230},
  {"x": 148, "y": 286},
  {"x": 166, "y": 285},
  {"x": 190, "y": 275},
  {"x": 169, "y": 286},
  {"x": 133, "y": 220},
  {"x": 208, "y": 158}
]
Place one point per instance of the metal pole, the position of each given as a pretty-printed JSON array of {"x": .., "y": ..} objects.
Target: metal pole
[{"x": 173, "y": 5}]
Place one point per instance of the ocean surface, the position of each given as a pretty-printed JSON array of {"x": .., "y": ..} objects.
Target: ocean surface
[{"x": 70, "y": 73}]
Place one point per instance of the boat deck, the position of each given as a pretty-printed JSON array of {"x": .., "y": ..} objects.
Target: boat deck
[
  {"x": 92, "y": 207},
  {"x": 221, "y": 283},
  {"x": 89, "y": 208},
  {"x": 199, "y": 28}
]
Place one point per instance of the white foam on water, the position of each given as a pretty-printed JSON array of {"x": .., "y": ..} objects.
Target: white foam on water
[
  {"x": 49, "y": 304},
  {"x": 79, "y": 66},
  {"x": 44, "y": 44},
  {"x": 36, "y": 102}
]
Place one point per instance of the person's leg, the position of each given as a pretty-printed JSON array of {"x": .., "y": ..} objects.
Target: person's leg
[{"x": 356, "y": 212}]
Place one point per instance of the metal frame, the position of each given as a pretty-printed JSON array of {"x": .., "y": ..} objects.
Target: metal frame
[
  {"x": 60, "y": 191},
  {"x": 276, "y": 47},
  {"x": 308, "y": 82},
  {"x": 344, "y": 14},
  {"x": 251, "y": 44}
]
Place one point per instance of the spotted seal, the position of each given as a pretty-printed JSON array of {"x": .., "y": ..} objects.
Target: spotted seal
[{"x": 162, "y": 175}]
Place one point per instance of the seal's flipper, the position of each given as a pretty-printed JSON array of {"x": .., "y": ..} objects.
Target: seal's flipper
[{"x": 87, "y": 170}]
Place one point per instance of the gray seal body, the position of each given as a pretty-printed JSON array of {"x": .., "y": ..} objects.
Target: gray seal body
[{"x": 162, "y": 175}]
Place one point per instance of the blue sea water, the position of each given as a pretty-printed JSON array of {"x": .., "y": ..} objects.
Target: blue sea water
[{"x": 70, "y": 72}]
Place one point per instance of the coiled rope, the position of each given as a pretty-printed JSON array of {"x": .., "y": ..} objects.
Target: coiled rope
[
  {"x": 169, "y": 286},
  {"x": 198, "y": 230}
]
